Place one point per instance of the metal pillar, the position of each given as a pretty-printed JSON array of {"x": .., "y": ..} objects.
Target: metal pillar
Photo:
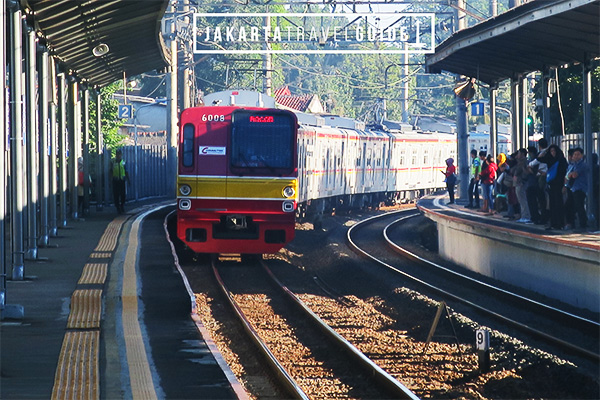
[
  {"x": 3, "y": 167},
  {"x": 32, "y": 143},
  {"x": 43, "y": 84},
  {"x": 62, "y": 149},
  {"x": 100, "y": 169},
  {"x": 524, "y": 108},
  {"x": 52, "y": 151},
  {"x": 515, "y": 93},
  {"x": 85, "y": 120},
  {"x": 493, "y": 122},
  {"x": 588, "y": 143},
  {"x": 73, "y": 125},
  {"x": 462, "y": 151},
  {"x": 16, "y": 144}
]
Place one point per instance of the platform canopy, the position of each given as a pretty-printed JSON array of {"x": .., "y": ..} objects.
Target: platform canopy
[
  {"x": 102, "y": 39},
  {"x": 531, "y": 37}
]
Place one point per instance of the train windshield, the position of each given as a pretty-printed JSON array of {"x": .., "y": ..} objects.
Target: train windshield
[{"x": 262, "y": 139}]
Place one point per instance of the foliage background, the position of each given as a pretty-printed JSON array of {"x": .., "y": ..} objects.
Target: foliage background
[{"x": 353, "y": 85}]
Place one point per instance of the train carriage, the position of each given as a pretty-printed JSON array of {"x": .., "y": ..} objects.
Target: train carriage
[{"x": 237, "y": 181}]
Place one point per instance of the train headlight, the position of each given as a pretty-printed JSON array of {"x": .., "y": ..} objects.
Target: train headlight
[
  {"x": 185, "y": 204},
  {"x": 288, "y": 206},
  {"x": 185, "y": 190},
  {"x": 289, "y": 191}
]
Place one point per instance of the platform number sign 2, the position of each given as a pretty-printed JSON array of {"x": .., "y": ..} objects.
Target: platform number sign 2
[{"x": 125, "y": 111}]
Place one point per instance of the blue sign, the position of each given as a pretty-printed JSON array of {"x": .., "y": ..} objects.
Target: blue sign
[
  {"x": 477, "y": 109},
  {"x": 125, "y": 111}
]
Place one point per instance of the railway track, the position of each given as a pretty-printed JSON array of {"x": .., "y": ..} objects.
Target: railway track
[
  {"x": 384, "y": 319},
  {"x": 534, "y": 316},
  {"x": 310, "y": 359}
]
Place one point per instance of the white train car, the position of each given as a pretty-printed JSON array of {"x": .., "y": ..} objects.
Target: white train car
[
  {"x": 416, "y": 161},
  {"x": 481, "y": 141},
  {"x": 343, "y": 164}
]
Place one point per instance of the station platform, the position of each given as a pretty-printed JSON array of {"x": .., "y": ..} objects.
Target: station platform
[
  {"x": 91, "y": 331},
  {"x": 562, "y": 265}
]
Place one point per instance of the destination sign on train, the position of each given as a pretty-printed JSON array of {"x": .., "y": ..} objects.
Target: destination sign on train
[{"x": 313, "y": 33}]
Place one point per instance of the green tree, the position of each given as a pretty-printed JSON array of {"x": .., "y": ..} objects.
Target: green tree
[{"x": 110, "y": 122}]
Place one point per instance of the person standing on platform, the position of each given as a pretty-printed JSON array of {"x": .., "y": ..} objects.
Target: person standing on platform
[
  {"x": 540, "y": 169},
  {"x": 521, "y": 176},
  {"x": 488, "y": 177},
  {"x": 555, "y": 180},
  {"x": 82, "y": 181},
  {"x": 577, "y": 183},
  {"x": 474, "y": 182},
  {"x": 450, "y": 175},
  {"x": 119, "y": 178}
]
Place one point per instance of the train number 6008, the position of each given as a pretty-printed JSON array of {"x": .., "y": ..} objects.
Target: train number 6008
[{"x": 211, "y": 117}]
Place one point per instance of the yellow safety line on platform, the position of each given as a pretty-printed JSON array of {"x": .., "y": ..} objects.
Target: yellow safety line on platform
[
  {"x": 142, "y": 386},
  {"x": 77, "y": 373},
  {"x": 86, "y": 309},
  {"x": 108, "y": 242},
  {"x": 93, "y": 274}
]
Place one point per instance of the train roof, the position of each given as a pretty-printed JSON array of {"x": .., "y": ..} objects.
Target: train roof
[{"x": 240, "y": 98}]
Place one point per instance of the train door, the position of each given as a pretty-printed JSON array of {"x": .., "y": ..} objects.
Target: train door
[
  {"x": 427, "y": 167},
  {"x": 384, "y": 158},
  {"x": 363, "y": 171},
  {"x": 302, "y": 176},
  {"x": 327, "y": 170},
  {"x": 342, "y": 184}
]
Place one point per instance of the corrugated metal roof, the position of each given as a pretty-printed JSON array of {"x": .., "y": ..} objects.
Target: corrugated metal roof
[
  {"x": 535, "y": 35},
  {"x": 130, "y": 29}
]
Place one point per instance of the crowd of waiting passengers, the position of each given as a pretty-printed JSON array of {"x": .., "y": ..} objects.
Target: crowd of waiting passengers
[{"x": 536, "y": 186}]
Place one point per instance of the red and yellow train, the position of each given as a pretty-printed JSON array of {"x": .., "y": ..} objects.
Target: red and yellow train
[{"x": 237, "y": 180}]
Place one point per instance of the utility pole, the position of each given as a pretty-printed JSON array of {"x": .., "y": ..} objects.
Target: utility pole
[
  {"x": 267, "y": 63},
  {"x": 185, "y": 60},
  {"x": 172, "y": 102}
]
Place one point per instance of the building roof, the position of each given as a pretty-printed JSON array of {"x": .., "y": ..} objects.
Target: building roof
[
  {"x": 130, "y": 29},
  {"x": 535, "y": 35},
  {"x": 303, "y": 102}
]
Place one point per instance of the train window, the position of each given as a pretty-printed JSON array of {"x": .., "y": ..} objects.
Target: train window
[
  {"x": 263, "y": 139},
  {"x": 188, "y": 145},
  {"x": 426, "y": 157}
]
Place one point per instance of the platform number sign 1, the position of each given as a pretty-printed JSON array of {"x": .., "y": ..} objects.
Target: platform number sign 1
[
  {"x": 477, "y": 108},
  {"x": 125, "y": 111}
]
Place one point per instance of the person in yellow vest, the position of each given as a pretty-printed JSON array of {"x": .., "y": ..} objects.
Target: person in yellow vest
[{"x": 119, "y": 177}]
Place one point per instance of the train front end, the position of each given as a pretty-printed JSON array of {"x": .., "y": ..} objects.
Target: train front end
[{"x": 237, "y": 179}]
